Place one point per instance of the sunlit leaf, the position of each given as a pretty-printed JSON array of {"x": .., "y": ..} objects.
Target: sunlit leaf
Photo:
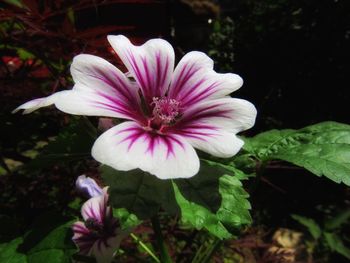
[
  {"x": 323, "y": 149},
  {"x": 214, "y": 199},
  {"x": 200, "y": 217},
  {"x": 126, "y": 219}
]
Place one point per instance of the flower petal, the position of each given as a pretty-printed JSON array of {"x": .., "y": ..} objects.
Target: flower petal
[
  {"x": 82, "y": 237},
  {"x": 211, "y": 125},
  {"x": 96, "y": 77},
  {"x": 128, "y": 146},
  {"x": 230, "y": 114},
  {"x": 35, "y": 104},
  {"x": 88, "y": 186},
  {"x": 151, "y": 64},
  {"x": 104, "y": 249},
  {"x": 212, "y": 140},
  {"x": 96, "y": 208},
  {"x": 194, "y": 80},
  {"x": 100, "y": 90}
]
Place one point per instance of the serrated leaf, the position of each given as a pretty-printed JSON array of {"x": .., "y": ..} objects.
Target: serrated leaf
[
  {"x": 336, "y": 244},
  {"x": 140, "y": 193},
  {"x": 199, "y": 217},
  {"x": 323, "y": 149},
  {"x": 264, "y": 144},
  {"x": 234, "y": 209},
  {"x": 310, "y": 224},
  {"x": 214, "y": 199}
]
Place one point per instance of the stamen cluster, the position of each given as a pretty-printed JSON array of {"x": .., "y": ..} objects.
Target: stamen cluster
[{"x": 165, "y": 110}]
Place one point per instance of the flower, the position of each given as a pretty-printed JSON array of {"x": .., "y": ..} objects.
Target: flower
[
  {"x": 99, "y": 235},
  {"x": 169, "y": 111},
  {"x": 88, "y": 186}
]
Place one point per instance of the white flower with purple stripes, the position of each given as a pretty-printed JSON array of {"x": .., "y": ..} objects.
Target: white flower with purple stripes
[
  {"x": 169, "y": 111},
  {"x": 99, "y": 235}
]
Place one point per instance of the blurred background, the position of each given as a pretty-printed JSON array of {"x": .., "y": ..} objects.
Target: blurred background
[{"x": 294, "y": 57}]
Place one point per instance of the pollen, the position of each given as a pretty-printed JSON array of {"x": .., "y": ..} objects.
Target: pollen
[{"x": 166, "y": 110}]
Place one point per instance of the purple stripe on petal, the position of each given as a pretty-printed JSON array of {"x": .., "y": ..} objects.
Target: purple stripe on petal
[
  {"x": 93, "y": 214},
  {"x": 165, "y": 71},
  {"x": 133, "y": 137},
  {"x": 153, "y": 140},
  {"x": 169, "y": 146},
  {"x": 136, "y": 68},
  {"x": 150, "y": 64},
  {"x": 147, "y": 74},
  {"x": 182, "y": 80},
  {"x": 80, "y": 229},
  {"x": 119, "y": 106},
  {"x": 206, "y": 111},
  {"x": 197, "y": 97},
  {"x": 159, "y": 79}
]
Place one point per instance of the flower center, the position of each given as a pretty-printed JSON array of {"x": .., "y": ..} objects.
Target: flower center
[
  {"x": 94, "y": 226},
  {"x": 165, "y": 112}
]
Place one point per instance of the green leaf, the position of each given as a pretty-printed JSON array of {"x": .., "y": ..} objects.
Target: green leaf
[
  {"x": 17, "y": 3},
  {"x": 310, "y": 224},
  {"x": 336, "y": 244},
  {"x": 234, "y": 209},
  {"x": 48, "y": 241},
  {"x": 24, "y": 54},
  {"x": 199, "y": 216},
  {"x": 243, "y": 166},
  {"x": 54, "y": 255},
  {"x": 214, "y": 199},
  {"x": 138, "y": 192},
  {"x": 126, "y": 219},
  {"x": 264, "y": 144},
  {"x": 323, "y": 149},
  {"x": 338, "y": 220},
  {"x": 9, "y": 254}
]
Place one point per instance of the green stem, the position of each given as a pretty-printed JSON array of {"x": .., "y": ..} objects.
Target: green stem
[
  {"x": 206, "y": 251},
  {"x": 164, "y": 254},
  {"x": 214, "y": 246},
  {"x": 260, "y": 169},
  {"x": 145, "y": 247}
]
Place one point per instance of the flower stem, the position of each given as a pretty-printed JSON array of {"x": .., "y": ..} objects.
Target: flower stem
[
  {"x": 206, "y": 251},
  {"x": 145, "y": 247},
  {"x": 164, "y": 254}
]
